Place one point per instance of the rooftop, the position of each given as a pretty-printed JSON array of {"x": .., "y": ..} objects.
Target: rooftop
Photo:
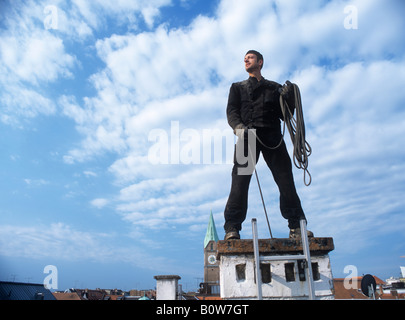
[
  {"x": 349, "y": 289},
  {"x": 317, "y": 246},
  {"x": 24, "y": 291}
]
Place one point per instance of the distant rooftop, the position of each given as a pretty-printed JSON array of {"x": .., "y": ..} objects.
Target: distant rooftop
[{"x": 24, "y": 291}]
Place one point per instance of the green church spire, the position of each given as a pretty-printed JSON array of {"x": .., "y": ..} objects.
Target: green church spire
[{"x": 211, "y": 231}]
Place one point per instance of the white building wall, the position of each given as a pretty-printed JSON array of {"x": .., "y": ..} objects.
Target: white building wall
[
  {"x": 278, "y": 288},
  {"x": 166, "y": 289}
]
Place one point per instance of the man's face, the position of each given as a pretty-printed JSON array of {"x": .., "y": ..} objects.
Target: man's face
[{"x": 251, "y": 63}]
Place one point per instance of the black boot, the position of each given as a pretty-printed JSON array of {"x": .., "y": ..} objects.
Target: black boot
[
  {"x": 232, "y": 234},
  {"x": 296, "y": 233}
]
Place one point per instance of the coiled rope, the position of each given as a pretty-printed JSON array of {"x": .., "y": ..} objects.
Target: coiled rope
[{"x": 296, "y": 128}]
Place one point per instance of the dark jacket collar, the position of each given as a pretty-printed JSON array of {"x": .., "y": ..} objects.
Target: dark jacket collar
[
  {"x": 254, "y": 80},
  {"x": 254, "y": 83}
]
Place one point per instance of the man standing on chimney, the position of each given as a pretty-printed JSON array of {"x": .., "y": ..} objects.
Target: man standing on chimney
[{"x": 255, "y": 104}]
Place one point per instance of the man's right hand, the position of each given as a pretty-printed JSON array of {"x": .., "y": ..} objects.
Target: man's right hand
[{"x": 240, "y": 130}]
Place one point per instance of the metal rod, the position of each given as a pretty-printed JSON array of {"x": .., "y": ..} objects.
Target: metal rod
[
  {"x": 264, "y": 206},
  {"x": 307, "y": 253},
  {"x": 258, "y": 183},
  {"x": 257, "y": 260},
  {"x": 281, "y": 258}
]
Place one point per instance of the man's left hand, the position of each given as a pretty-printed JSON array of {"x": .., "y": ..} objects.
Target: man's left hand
[{"x": 286, "y": 88}]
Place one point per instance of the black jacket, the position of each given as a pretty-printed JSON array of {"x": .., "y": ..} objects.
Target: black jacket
[{"x": 256, "y": 104}]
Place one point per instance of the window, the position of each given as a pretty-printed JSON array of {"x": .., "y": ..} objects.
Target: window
[
  {"x": 315, "y": 271},
  {"x": 266, "y": 272},
  {"x": 289, "y": 272},
  {"x": 302, "y": 270},
  {"x": 241, "y": 272}
]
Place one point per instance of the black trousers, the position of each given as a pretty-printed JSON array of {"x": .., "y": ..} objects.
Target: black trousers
[{"x": 280, "y": 165}]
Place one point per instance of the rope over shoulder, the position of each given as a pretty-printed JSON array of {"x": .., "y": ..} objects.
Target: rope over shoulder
[{"x": 296, "y": 128}]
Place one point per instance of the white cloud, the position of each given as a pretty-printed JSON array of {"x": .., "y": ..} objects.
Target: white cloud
[
  {"x": 29, "y": 52},
  {"x": 30, "y": 56},
  {"x": 178, "y": 200},
  {"x": 36, "y": 57},
  {"x": 89, "y": 173},
  {"x": 56, "y": 240},
  {"x": 99, "y": 203},
  {"x": 19, "y": 102},
  {"x": 59, "y": 241},
  {"x": 36, "y": 182},
  {"x": 33, "y": 55}
]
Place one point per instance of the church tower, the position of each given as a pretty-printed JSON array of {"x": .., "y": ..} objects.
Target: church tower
[{"x": 211, "y": 265}]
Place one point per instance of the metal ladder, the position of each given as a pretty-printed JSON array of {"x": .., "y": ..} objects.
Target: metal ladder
[{"x": 306, "y": 256}]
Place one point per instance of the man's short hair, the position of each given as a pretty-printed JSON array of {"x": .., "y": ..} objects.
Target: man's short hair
[{"x": 258, "y": 55}]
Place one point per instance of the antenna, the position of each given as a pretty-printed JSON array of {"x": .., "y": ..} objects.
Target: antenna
[{"x": 368, "y": 285}]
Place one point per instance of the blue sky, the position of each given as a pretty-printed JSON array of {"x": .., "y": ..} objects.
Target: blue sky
[{"x": 91, "y": 91}]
